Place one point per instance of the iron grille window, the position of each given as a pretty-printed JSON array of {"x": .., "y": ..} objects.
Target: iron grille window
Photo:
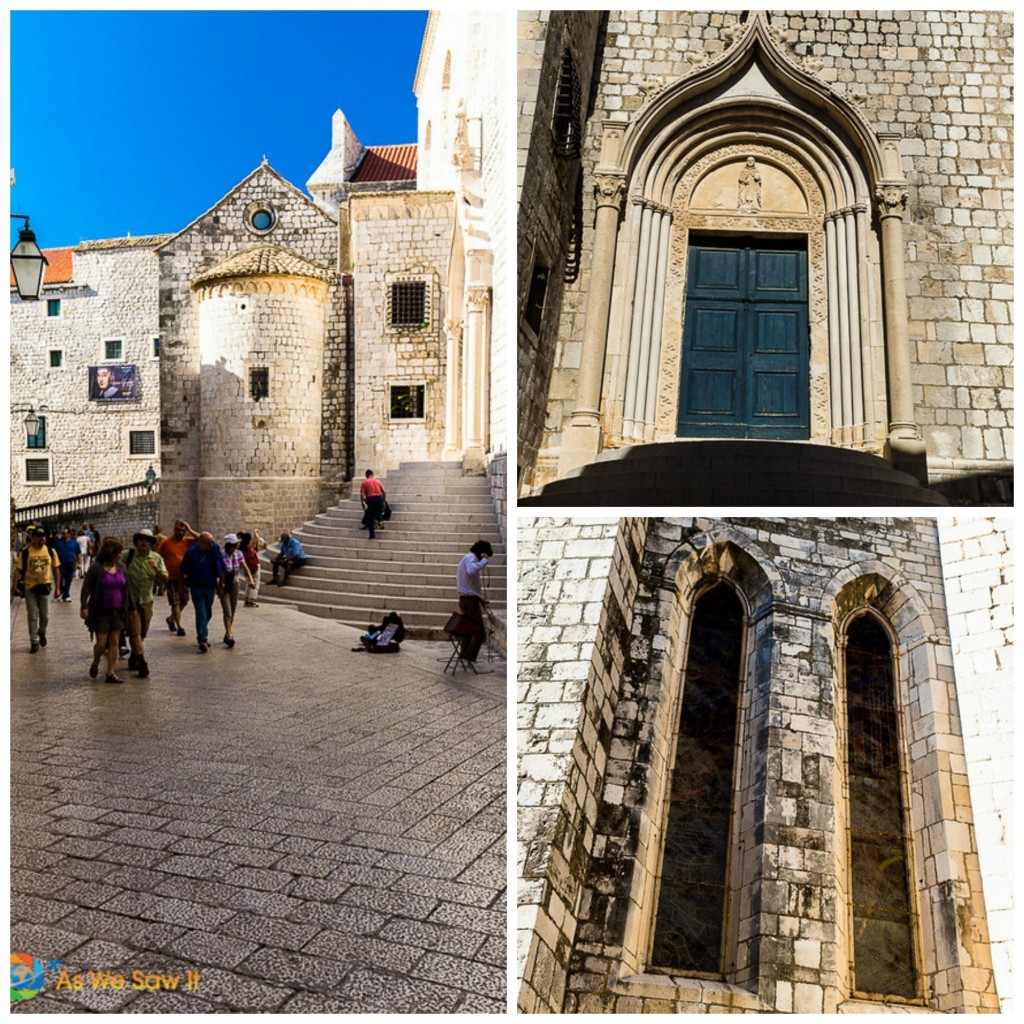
[
  {"x": 259, "y": 382},
  {"x": 142, "y": 442},
  {"x": 112, "y": 350},
  {"x": 53, "y": 307},
  {"x": 407, "y": 401},
  {"x": 535, "y": 300},
  {"x": 37, "y": 471},
  {"x": 568, "y": 101},
  {"x": 38, "y": 439},
  {"x": 883, "y": 942},
  {"x": 690, "y": 923},
  {"x": 408, "y": 304},
  {"x": 56, "y": 358}
]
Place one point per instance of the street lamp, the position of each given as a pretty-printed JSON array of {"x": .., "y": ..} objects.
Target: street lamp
[
  {"x": 32, "y": 423},
  {"x": 27, "y": 261}
]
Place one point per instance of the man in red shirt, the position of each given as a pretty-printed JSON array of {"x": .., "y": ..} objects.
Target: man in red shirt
[
  {"x": 172, "y": 550},
  {"x": 372, "y": 495}
]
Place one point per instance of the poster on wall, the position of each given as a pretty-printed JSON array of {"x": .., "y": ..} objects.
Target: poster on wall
[{"x": 112, "y": 384}]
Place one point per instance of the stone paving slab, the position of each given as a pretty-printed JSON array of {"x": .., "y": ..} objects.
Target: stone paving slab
[{"x": 314, "y": 830}]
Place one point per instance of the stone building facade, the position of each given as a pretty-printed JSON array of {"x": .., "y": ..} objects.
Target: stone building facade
[
  {"x": 859, "y": 163},
  {"x": 615, "y": 620},
  {"x": 99, "y": 307}
]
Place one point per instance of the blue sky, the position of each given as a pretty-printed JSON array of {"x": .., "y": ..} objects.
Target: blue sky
[{"x": 137, "y": 122}]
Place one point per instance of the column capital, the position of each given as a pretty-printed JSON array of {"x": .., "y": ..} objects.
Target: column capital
[
  {"x": 891, "y": 199},
  {"x": 477, "y": 296},
  {"x": 453, "y": 329},
  {"x": 610, "y": 189}
]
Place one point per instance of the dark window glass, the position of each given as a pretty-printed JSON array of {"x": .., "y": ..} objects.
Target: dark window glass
[
  {"x": 883, "y": 946},
  {"x": 142, "y": 442},
  {"x": 535, "y": 300},
  {"x": 261, "y": 220},
  {"x": 37, "y": 471},
  {"x": 568, "y": 100},
  {"x": 38, "y": 439},
  {"x": 407, "y": 401},
  {"x": 259, "y": 382},
  {"x": 156, "y": 347},
  {"x": 112, "y": 349},
  {"x": 690, "y": 921},
  {"x": 408, "y": 303},
  {"x": 53, "y": 307},
  {"x": 56, "y": 357}
]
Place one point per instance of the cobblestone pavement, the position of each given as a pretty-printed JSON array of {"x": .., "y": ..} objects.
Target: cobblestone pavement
[{"x": 312, "y": 829}]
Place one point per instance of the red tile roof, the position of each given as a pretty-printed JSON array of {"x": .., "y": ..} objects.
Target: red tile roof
[
  {"x": 388, "y": 163},
  {"x": 59, "y": 269}
]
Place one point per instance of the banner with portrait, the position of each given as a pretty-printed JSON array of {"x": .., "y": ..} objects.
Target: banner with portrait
[{"x": 113, "y": 384}]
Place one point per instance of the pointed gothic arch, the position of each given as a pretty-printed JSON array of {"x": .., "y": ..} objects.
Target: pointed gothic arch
[{"x": 748, "y": 144}]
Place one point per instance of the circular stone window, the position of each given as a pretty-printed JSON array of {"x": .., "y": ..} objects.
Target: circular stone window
[{"x": 261, "y": 218}]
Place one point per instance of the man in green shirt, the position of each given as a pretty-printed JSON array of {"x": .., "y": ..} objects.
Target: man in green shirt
[{"x": 145, "y": 568}]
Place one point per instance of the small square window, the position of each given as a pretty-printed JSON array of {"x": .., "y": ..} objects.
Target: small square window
[
  {"x": 38, "y": 439},
  {"x": 37, "y": 471},
  {"x": 142, "y": 442},
  {"x": 56, "y": 358},
  {"x": 53, "y": 307},
  {"x": 408, "y": 304},
  {"x": 407, "y": 401},
  {"x": 112, "y": 350},
  {"x": 259, "y": 383}
]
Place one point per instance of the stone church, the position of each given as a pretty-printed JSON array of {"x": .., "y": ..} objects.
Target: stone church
[
  {"x": 765, "y": 765},
  {"x": 283, "y": 342},
  {"x": 765, "y": 258}
]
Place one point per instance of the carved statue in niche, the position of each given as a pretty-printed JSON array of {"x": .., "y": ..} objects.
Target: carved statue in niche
[{"x": 750, "y": 188}]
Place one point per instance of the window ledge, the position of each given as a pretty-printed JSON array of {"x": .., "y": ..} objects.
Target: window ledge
[
  {"x": 689, "y": 990},
  {"x": 881, "y": 1006}
]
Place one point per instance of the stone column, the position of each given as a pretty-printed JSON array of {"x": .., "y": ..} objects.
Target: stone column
[
  {"x": 582, "y": 437},
  {"x": 905, "y": 449},
  {"x": 453, "y": 391},
  {"x": 474, "y": 391}
]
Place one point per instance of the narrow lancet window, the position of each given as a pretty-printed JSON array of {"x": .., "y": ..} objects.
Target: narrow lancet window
[
  {"x": 883, "y": 945},
  {"x": 689, "y": 929}
]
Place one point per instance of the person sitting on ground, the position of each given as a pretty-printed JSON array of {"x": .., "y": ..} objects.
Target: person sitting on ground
[
  {"x": 384, "y": 638},
  {"x": 372, "y": 495},
  {"x": 290, "y": 557}
]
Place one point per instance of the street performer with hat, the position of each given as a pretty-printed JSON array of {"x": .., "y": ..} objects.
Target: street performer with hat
[{"x": 144, "y": 568}]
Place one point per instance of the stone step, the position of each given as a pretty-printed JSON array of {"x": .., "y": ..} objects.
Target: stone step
[
  {"x": 419, "y": 513},
  {"x": 446, "y": 552},
  {"x": 360, "y": 590}
]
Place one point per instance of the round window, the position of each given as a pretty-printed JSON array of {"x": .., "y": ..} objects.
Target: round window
[{"x": 261, "y": 217}]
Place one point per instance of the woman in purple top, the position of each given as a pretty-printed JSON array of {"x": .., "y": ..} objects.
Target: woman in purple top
[{"x": 106, "y": 600}]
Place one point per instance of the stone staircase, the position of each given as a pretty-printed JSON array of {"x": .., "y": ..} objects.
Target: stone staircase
[
  {"x": 736, "y": 473},
  {"x": 410, "y": 567}
]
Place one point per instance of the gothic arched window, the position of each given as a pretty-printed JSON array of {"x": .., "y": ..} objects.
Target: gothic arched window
[
  {"x": 689, "y": 930},
  {"x": 566, "y": 124},
  {"x": 883, "y": 928}
]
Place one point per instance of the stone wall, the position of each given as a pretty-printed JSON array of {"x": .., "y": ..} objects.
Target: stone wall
[
  {"x": 977, "y": 560},
  {"x": 497, "y": 476},
  {"x": 942, "y": 81},
  {"x": 223, "y": 231},
  {"x": 121, "y": 519},
  {"x": 113, "y": 297},
  {"x": 589, "y": 877},
  {"x": 405, "y": 235}
]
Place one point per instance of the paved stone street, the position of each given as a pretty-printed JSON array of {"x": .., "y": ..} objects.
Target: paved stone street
[{"x": 312, "y": 829}]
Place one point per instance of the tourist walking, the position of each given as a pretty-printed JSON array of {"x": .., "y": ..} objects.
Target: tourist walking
[
  {"x": 84, "y": 542},
  {"x": 291, "y": 556},
  {"x": 172, "y": 550},
  {"x": 202, "y": 571},
  {"x": 145, "y": 570},
  {"x": 105, "y": 603},
  {"x": 35, "y": 571},
  {"x": 234, "y": 569},
  {"x": 471, "y": 599},
  {"x": 158, "y": 538},
  {"x": 372, "y": 496},
  {"x": 251, "y": 546},
  {"x": 66, "y": 548}
]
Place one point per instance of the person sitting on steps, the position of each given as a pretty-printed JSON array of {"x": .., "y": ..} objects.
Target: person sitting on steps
[{"x": 290, "y": 557}]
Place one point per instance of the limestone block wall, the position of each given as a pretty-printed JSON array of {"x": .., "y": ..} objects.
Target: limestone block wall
[
  {"x": 939, "y": 79},
  {"x": 113, "y": 297},
  {"x": 977, "y": 559},
  {"x": 587, "y": 870},
  {"x": 576, "y": 586},
  {"x": 547, "y": 212},
  {"x": 405, "y": 235},
  {"x": 222, "y": 231}
]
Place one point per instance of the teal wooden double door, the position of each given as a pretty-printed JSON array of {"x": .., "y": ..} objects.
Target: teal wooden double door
[{"x": 745, "y": 366}]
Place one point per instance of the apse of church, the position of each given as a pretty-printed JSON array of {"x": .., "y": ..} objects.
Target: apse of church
[
  {"x": 743, "y": 780},
  {"x": 785, "y": 226}
]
